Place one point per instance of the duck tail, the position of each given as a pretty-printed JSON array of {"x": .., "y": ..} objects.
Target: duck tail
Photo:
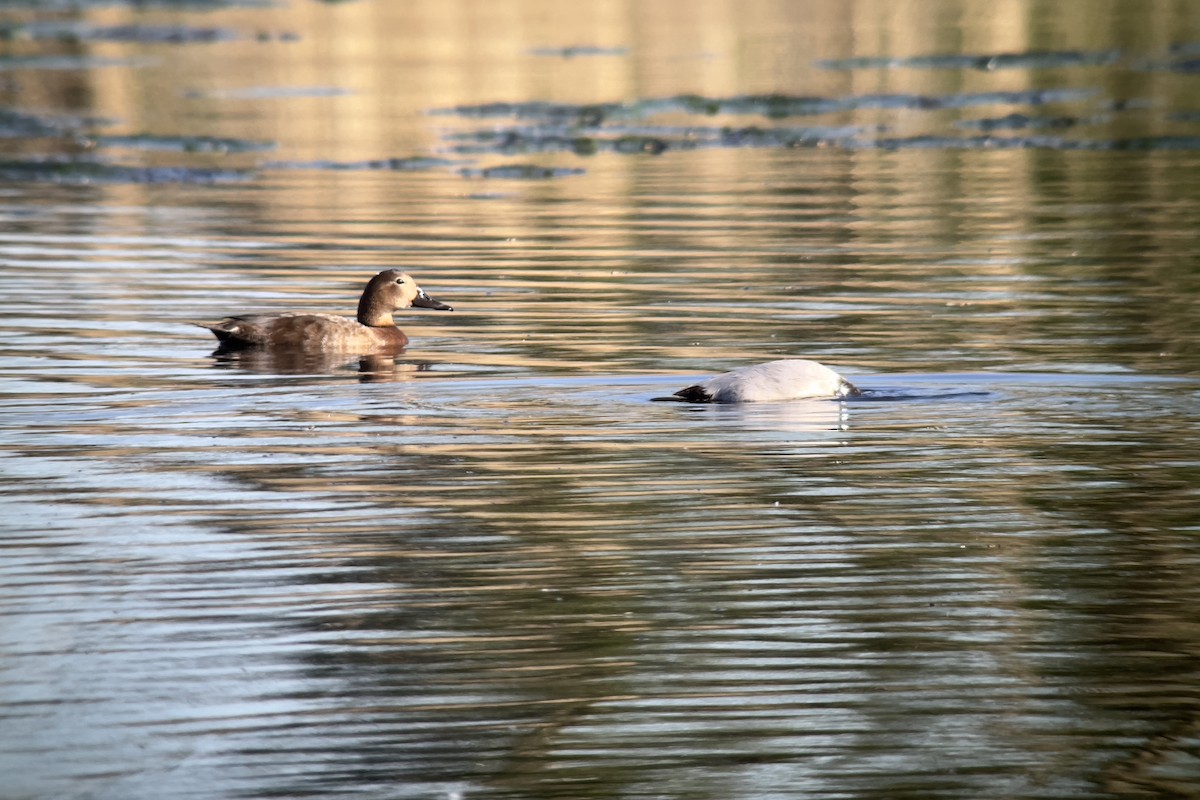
[
  {"x": 848, "y": 389},
  {"x": 692, "y": 394},
  {"x": 227, "y": 331}
]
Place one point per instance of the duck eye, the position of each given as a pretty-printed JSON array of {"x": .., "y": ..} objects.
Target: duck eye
[{"x": 399, "y": 281}]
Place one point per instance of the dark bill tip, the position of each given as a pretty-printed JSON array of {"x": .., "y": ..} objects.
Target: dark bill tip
[{"x": 423, "y": 300}]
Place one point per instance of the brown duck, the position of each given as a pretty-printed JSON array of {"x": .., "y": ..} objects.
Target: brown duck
[{"x": 373, "y": 332}]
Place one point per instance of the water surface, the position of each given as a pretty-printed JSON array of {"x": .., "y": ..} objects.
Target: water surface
[{"x": 490, "y": 567}]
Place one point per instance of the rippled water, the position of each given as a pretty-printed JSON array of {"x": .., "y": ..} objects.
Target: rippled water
[{"x": 491, "y": 567}]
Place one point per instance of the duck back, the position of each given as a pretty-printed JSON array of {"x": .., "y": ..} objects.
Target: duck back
[
  {"x": 787, "y": 379},
  {"x": 328, "y": 332}
]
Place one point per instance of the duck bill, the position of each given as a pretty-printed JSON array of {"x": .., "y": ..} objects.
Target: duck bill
[{"x": 423, "y": 300}]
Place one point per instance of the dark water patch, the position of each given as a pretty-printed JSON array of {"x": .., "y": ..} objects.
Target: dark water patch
[
  {"x": 1185, "y": 49},
  {"x": 589, "y": 115},
  {"x": 930, "y": 142},
  {"x": 752, "y": 135},
  {"x": 79, "y": 171},
  {"x": 899, "y": 395},
  {"x": 652, "y": 140},
  {"x": 747, "y": 136},
  {"x": 177, "y": 5},
  {"x": 1019, "y": 122},
  {"x": 182, "y": 144},
  {"x": 527, "y": 172},
  {"x": 1036, "y": 59},
  {"x": 19, "y": 124},
  {"x": 64, "y": 63},
  {"x": 1126, "y": 104},
  {"x": 1031, "y": 97},
  {"x": 651, "y": 145},
  {"x": 70, "y": 31},
  {"x": 785, "y": 137},
  {"x": 1184, "y": 116},
  {"x": 511, "y": 142},
  {"x": 522, "y": 141},
  {"x": 1148, "y": 143},
  {"x": 1184, "y": 61},
  {"x": 158, "y": 34},
  {"x": 577, "y": 51},
  {"x": 1189, "y": 66},
  {"x": 533, "y": 141},
  {"x": 771, "y": 106},
  {"x": 1029, "y": 142},
  {"x": 412, "y": 164}
]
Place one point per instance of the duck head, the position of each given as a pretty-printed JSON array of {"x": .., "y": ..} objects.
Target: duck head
[{"x": 392, "y": 290}]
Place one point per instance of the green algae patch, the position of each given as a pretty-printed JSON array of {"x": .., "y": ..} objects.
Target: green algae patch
[
  {"x": 83, "y": 172},
  {"x": 523, "y": 172},
  {"x": 1028, "y": 142},
  {"x": 74, "y": 32},
  {"x": 770, "y": 106},
  {"x": 64, "y": 63},
  {"x": 181, "y": 144},
  {"x": 141, "y": 5},
  {"x": 1016, "y": 122},
  {"x": 578, "y": 51},
  {"x": 1033, "y": 59},
  {"x": 412, "y": 164},
  {"x": 18, "y": 124}
]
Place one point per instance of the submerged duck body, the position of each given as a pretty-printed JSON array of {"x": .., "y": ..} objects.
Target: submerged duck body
[
  {"x": 372, "y": 331},
  {"x": 774, "y": 381}
]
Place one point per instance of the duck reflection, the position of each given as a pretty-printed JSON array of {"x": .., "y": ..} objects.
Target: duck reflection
[
  {"x": 773, "y": 420},
  {"x": 372, "y": 368}
]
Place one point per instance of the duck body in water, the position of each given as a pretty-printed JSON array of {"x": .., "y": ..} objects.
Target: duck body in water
[
  {"x": 773, "y": 381},
  {"x": 372, "y": 331}
]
